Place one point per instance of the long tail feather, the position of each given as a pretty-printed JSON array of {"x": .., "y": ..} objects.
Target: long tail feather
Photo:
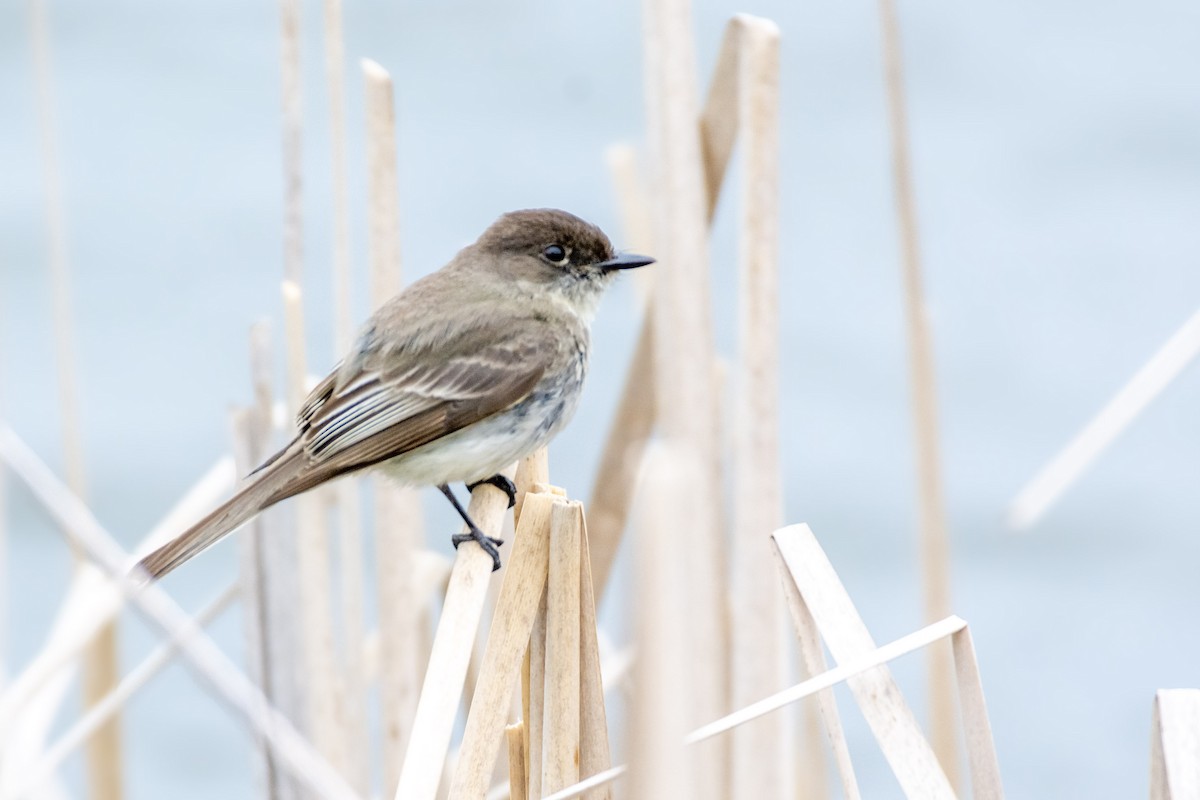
[{"x": 267, "y": 486}]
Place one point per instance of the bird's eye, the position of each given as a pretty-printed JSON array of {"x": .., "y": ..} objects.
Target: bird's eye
[{"x": 556, "y": 254}]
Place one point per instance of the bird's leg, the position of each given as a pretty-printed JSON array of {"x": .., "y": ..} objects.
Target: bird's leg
[
  {"x": 488, "y": 543},
  {"x": 500, "y": 482}
]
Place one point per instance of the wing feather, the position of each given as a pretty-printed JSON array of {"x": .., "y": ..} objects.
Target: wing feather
[{"x": 385, "y": 407}]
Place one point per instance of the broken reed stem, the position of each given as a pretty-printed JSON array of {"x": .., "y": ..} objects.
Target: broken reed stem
[
  {"x": 812, "y": 663},
  {"x": 269, "y": 576},
  {"x": 595, "y": 755},
  {"x": 533, "y": 473},
  {"x": 823, "y": 682},
  {"x": 1175, "y": 745},
  {"x": 891, "y": 720},
  {"x": 85, "y": 727},
  {"x": 683, "y": 364},
  {"x": 761, "y": 759},
  {"x": 616, "y": 476},
  {"x": 218, "y": 672},
  {"x": 434, "y": 720},
  {"x": 335, "y": 77},
  {"x": 560, "y": 744},
  {"x": 1065, "y": 468},
  {"x": 345, "y": 495},
  {"x": 100, "y": 672},
  {"x": 664, "y": 680},
  {"x": 517, "y": 606},
  {"x": 398, "y": 521},
  {"x": 532, "y": 470},
  {"x": 977, "y": 729},
  {"x": 517, "y": 784},
  {"x": 637, "y": 217},
  {"x": 934, "y": 547}
]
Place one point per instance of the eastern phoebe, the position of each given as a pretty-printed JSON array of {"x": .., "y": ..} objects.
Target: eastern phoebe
[{"x": 464, "y": 372}]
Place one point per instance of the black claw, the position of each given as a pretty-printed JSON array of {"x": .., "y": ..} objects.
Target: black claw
[
  {"x": 488, "y": 543},
  {"x": 500, "y": 482}
]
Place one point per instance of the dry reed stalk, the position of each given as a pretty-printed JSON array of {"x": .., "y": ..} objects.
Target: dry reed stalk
[
  {"x": 383, "y": 183},
  {"x": 100, "y": 671},
  {"x": 532, "y": 470},
  {"x": 590, "y": 785},
  {"x": 858, "y": 666},
  {"x": 521, "y": 591},
  {"x": 92, "y": 602},
  {"x": 533, "y": 701},
  {"x": 517, "y": 785},
  {"x": 664, "y": 676},
  {"x": 905, "y": 748},
  {"x": 325, "y": 696},
  {"x": 345, "y": 495},
  {"x": 611, "y": 498},
  {"x": 616, "y": 474},
  {"x": 397, "y": 510},
  {"x": 209, "y": 662},
  {"x": 934, "y": 538},
  {"x": 533, "y": 474},
  {"x": 335, "y": 77},
  {"x": 269, "y": 578},
  {"x": 1175, "y": 745},
  {"x": 812, "y": 663},
  {"x": 560, "y": 732},
  {"x": 111, "y": 703},
  {"x": 613, "y": 489},
  {"x": 750, "y": 57},
  {"x": 684, "y": 361},
  {"x": 981, "y": 749},
  {"x": 637, "y": 217},
  {"x": 595, "y": 755},
  {"x": 434, "y": 720},
  {"x": 1148, "y": 383},
  {"x": 952, "y": 627}
]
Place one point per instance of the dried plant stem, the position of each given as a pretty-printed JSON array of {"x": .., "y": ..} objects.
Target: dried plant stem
[
  {"x": 210, "y": 663},
  {"x": 100, "y": 671},
  {"x": 683, "y": 363},
  {"x": 615, "y": 485},
  {"x": 934, "y": 546},
  {"x": 812, "y": 660},
  {"x": 663, "y": 676},
  {"x": 397, "y": 510},
  {"x": 1175, "y": 745},
  {"x": 520, "y": 595},
  {"x": 269, "y": 578},
  {"x": 905, "y": 747},
  {"x": 595, "y": 756},
  {"x": 517, "y": 785},
  {"x": 761, "y": 763},
  {"x": 560, "y": 743},
  {"x": 335, "y": 76},
  {"x": 1065, "y": 468},
  {"x": 111, "y": 703},
  {"x": 434, "y": 721}
]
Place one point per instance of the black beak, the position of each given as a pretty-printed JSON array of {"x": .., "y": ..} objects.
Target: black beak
[{"x": 625, "y": 261}]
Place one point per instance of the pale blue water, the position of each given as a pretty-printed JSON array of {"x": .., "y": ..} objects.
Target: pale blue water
[{"x": 1057, "y": 164}]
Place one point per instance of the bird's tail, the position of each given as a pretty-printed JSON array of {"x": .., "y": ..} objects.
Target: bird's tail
[{"x": 265, "y": 487}]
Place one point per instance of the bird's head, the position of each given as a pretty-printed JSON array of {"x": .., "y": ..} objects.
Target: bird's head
[{"x": 546, "y": 249}]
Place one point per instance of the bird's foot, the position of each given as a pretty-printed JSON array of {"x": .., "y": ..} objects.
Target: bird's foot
[
  {"x": 488, "y": 543},
  {"x": 500, "y": 482}
]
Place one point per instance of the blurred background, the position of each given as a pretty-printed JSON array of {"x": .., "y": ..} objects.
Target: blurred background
[{"x": 1057, "y": 171}]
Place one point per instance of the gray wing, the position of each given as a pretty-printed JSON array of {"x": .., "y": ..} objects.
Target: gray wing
[{"x": 386, "y": 405}]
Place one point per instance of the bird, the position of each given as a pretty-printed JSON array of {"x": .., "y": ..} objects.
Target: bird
[{"x": 462, "y": 373}]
